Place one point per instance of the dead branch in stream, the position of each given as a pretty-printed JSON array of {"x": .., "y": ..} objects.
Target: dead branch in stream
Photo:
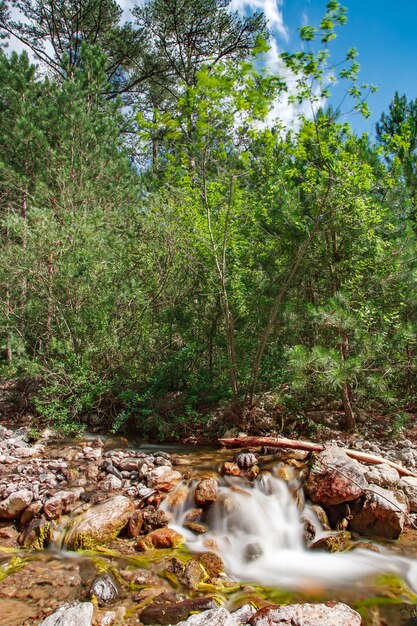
[{"x": 282, "y": 442}]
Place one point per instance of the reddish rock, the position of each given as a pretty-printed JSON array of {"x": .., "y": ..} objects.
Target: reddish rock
[
  {"x": 29, "y": 513},
  {"x": 145, "y": 520},
  {"x": 56, "y": 506},
  {"x": 195, "y": 527},
  {"x": 382, "y": 514},
  {"x": 160, "y": 538},
  {"x": 15, "y": 504},
  {"x": 206, "y": 492},
  {"x": 230, "y": 469},
  {"x": 335, "y": 478},
  {"x": 163, "y": 478}
]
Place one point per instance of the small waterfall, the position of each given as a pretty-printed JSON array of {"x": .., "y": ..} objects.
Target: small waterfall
[{"x": 258, "y": 531}]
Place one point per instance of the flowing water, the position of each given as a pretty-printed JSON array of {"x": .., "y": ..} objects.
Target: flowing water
[{"x": 259, "y": 533}]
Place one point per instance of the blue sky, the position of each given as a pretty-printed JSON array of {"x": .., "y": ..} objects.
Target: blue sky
[{"x": 385, "y": 35}]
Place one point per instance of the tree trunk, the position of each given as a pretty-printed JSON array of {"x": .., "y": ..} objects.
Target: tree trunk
[
  {"x": 347, "y": 392},
  {"x": 275, "y": 308},
  {"x": 9, "y": 356},
  {"x": 50, "y": 303},
  {"x": 281, "y": 442},
  {"x": 23, "y": 295}
]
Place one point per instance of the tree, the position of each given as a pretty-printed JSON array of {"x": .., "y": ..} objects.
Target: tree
[
  {"x": 55, "y": 32},
  {"x": 397, "y": 133}
]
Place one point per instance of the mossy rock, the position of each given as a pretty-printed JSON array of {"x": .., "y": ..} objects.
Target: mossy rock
[{"x": 99, "y": 525}]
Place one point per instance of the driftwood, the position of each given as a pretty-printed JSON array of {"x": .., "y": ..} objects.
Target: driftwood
[{"x": 281, "y": 442}]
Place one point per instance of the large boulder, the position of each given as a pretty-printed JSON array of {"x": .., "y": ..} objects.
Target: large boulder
[
  {"x": 408, "y": 484},
  {"x": 335, "y": 478},
  {"x": 328, "y": 614},
  {"x": 382, "y": 513},
  {"x": 100, "y": 524},
  {"x": 163, "y": 478},
  {"x": 15, "y": 503},
  {"x": 75, "y": 614}
]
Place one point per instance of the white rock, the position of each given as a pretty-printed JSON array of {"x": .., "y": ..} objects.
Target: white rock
[
  {"x": 330, "y": 614},
  {"x": 214, "y": 617},
  {"x": 75, "y": 614},
  {"x": 243, "y": 615},
  {"x": 382, "y": 475},
  {"x": 408, "y": 484}
]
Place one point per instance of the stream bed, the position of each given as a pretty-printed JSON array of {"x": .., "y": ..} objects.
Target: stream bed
[{"x": 255, "y": 540}]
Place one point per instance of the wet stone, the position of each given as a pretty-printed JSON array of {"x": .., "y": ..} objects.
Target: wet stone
[
  {"x": 105, "y": 588},
  {"x": 245, "y": 460},
  {"x": 206, "y": 492},
  {"x": 160, "y": 538}
]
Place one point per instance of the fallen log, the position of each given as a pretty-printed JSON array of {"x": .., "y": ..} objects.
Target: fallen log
[{"x": 282, "y": 442}]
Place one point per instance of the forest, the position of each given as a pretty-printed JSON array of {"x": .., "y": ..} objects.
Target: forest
[{"x": 171, "y": 248}]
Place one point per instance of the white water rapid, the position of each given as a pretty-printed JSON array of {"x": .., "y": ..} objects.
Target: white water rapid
[{"x": 258, "y": 531}]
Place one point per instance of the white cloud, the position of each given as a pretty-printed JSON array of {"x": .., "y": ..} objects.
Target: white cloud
[{"x": 271, "y": 9}]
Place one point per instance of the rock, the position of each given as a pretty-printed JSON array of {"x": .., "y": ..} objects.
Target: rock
[
  {"x": 145, "y": 520},
  {"x": 29, "y": 513},
  {"x": 163, "y": 478},
  {"x": 55, "y": 506},
  {"x": 309, "y": 529},
  {"x": 382, "y": 514},
  {"x": 15, "y": 503},
  {"x": 408, "y": 484},
  {"x": 333, "y": 543},
  {"x": 230, "y": 469},
  {"x": 196, "y": 527},
  {"x": 382, "y": 475},
  {"x": 245, "y": 460},
  {"x": 75, "y": 614},
  {"x": 243, "y": 615},
  {"x": 160, "y": 538},
  {"x": 212, "y": 563},
  {"x": 328, "y": 614},
  {"x": 158, "y": 613},
  {"x": 215, "y": 617},
  {"x": 190, "y": 575},
  {"x": 193, "y": 515},
  {"x": 135, "y": 524},
  {"x": 129, "y": 464},
  {"x": 335, "y": 478},
  {"x": 253, "y": 472},
  {"x": 108, "y": 618},
  {"x": 252, "y": 551},
  {"x": 206, "y": 492},
  {"x": 321, "y": 515},
  {"x": 5, "y": 433},
  {"x": 105, "y": 588},
  {"x": 36, "y": 535},
  {"x": 99, "y": 524},
  {"x": 110, "y": 483}
]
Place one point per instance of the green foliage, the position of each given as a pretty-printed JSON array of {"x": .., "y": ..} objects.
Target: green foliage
[{"x": 190, "y": 250}]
